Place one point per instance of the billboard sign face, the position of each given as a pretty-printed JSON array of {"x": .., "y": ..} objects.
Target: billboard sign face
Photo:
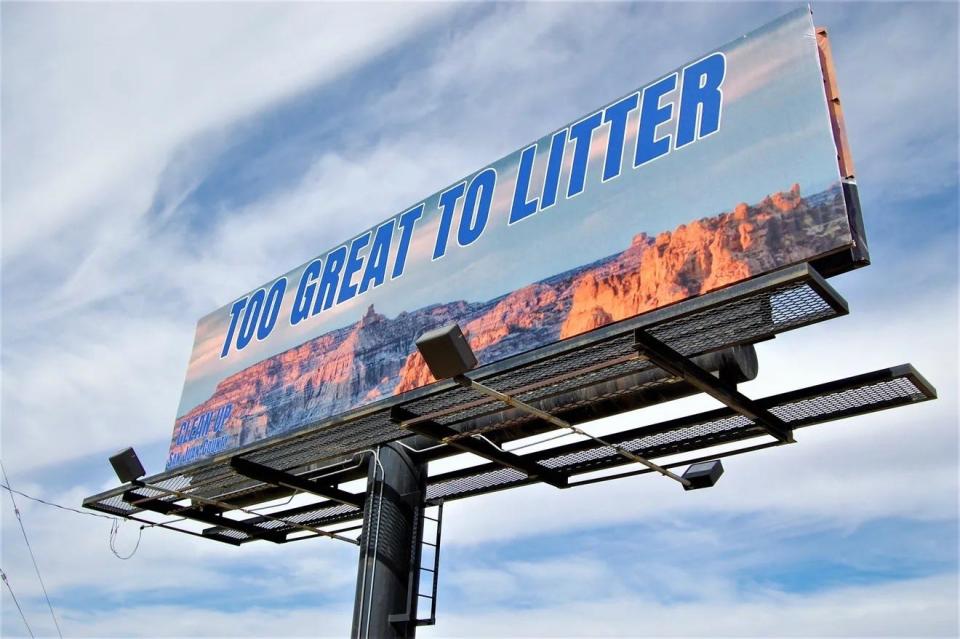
[{"x": 717, "y": 172}]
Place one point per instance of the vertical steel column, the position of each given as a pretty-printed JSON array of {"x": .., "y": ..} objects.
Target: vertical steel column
[{"x": 389, "y": 573}]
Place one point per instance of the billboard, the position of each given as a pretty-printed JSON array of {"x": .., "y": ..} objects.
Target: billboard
[{"x": 721, "y": 170}]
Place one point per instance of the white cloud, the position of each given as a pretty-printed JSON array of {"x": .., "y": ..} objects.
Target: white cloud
[
  {"x": 917, "y": 608},
  {"x": 186, "y": 621},
  {"x": 94, "y": 297},
  {"x": 97, "y": 97}
]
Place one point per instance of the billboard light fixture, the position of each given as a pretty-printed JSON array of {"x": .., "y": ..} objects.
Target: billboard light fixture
[
  {"x": 446, "y": 352},
  {"x": 703, "y": 474},
  {"x": 127, "y": 465},
  {"x": 448, "y": 356}
]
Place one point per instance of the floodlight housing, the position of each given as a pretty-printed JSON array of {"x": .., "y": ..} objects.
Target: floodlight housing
[
  {"x": 703, "y": 474},
  {"x": 127, "y": 465},
  {"x": 446, "y": 352}
]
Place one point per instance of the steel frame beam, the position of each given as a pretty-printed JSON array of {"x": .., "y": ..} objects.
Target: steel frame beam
[
  {"x": 280, "y": 478},
  {"x": 201, "y": 515},
  {"x": 480, "y": 447},
  {"x": 676, "y": 364},
  {"x": 203, "y": 534},
  {"x": 611, "y": 461}
]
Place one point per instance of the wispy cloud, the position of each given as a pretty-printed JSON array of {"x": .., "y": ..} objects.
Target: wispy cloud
[{"x": 913, "y": 608}]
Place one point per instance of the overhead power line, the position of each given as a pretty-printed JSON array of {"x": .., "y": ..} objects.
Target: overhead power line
[
  {"x": 49, "y": 503},
  {"x": 6, "y": 583},
  {"x": 33, "y": 558},
  {"x": 114, "y": 521}
]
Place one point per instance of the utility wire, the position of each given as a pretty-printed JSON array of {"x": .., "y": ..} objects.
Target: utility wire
[
  {"x": 6, "y": 583},
  {"x": 114, "y": 529},
  {"x": 48, "y": 503},
  {"x": 114, "y": 521},
  {"x": 33, "y": 558}
]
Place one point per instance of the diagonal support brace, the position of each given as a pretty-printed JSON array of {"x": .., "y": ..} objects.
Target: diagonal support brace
[
  {"x": 466, "y": 382},
  {"x": 676, "y": 364},
  {"x": 482, "y": 448},
  {"x": 201, "y": 515},
  {"x": 276, "y": 477}
]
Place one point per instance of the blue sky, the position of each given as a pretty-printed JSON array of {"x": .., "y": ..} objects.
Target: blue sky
[{"x": 160, "y": 159}]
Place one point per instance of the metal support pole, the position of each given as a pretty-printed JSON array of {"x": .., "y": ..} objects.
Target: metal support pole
[{"x": 388, "y": 576}]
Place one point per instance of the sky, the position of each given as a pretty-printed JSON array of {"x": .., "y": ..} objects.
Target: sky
[{"x": 160, "y": 159}]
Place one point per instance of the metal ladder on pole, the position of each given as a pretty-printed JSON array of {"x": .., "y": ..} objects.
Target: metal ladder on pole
[
  {"x": 410, "y": 616},
  {"x": 435, "y": 569}
]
